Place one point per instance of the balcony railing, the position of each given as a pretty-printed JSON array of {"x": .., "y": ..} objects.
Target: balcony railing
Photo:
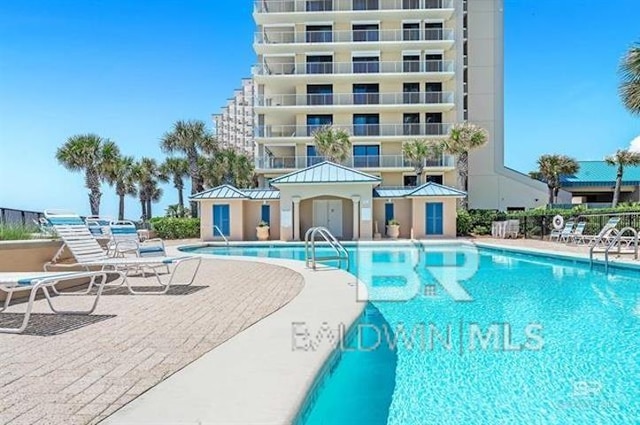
[
  {"x": 286, "y": 6},
  {"x": 344, "y": 99},
  {"x": 287, "y": 37},
  {"x": 370, "y": 67},
  {"x": 369, "y": 161},
  {"x": 389, "y": 130}
]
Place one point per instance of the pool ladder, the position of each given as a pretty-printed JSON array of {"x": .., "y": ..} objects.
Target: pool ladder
[
  {"x": 616, "y": 242},
  {"x": 215, "y": 227},
  {"x": 312, "y": 259}
]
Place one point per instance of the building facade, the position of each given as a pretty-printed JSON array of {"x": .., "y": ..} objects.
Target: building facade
[
  {"x": 233, "y": 126},
  {"x": 595, "y": 182},
  {"x": 387, "y": 71}
]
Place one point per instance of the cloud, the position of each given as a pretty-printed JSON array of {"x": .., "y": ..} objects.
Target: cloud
[{"x": 635, "y": 145}]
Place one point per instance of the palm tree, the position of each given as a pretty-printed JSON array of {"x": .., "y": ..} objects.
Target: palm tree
[
  {"x": 419, "y": 150},
  {"x": 551, "y": 169},
  {"x": 463, "y": 138},
  {"x": 190, "y": 138},
  {"x": 228, "y": 166},
  {"x": 176, "y": 169},
  {"x": 147, "y": 174},
  {"x": 630, "y": 86},
  {"x": 121, "y": 175},
  {"x": 93, "y": 155},
  {"x": 332, "y": 143},
  {"x": 622, "y": 158}
]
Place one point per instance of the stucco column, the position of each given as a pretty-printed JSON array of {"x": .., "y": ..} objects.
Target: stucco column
[
  {"x": 296, "y": 218},
  {"x": 356, "y": 217}
]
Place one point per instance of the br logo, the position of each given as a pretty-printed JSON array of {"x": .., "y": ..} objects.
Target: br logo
[{"x": 401, "y": 273}]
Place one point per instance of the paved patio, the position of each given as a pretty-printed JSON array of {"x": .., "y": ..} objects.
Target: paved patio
[{"x": 77, "y": 371}]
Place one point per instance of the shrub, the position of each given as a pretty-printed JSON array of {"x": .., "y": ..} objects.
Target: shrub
[
  {"x": 16, "y": 232},
  {"x": 176, "y": 228},
  {"x": 463, "y": 223}
]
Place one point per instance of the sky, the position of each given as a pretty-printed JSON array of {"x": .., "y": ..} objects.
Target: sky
[{"x": 128, "y": 69}]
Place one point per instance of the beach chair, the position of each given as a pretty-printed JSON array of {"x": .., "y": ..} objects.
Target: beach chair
[
  {"x": 126, "y": 240},
  {"x": 557, "y": 234},
  {"x": 512, "y": 229},
  {"x": 603, "y": 237},
  {"x": 32, "y": 282},
  {"x": 89, "y": 254},
  {"x": 576, "y": 234}
]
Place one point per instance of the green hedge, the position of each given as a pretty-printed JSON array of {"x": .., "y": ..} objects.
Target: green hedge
[
  {"x": 477, "y": 222},
  {"x": 176, "y": 228}
]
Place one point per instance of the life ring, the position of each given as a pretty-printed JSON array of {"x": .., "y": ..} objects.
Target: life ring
[{"x": 558, "y": 222}]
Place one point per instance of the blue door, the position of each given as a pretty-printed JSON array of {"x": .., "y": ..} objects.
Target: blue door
[
  {"x": 388, "y": 213},
  {"x": 221, "y": 219},
  {"x": 434, "y": 219}
]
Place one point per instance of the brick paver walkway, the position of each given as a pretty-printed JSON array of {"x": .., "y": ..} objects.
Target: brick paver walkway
[{"x": 83, "y": 375}]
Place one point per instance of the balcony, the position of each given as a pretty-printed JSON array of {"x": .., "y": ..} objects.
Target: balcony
[
  {"x": 383, "y": 130},
  {"x": 350, "y": 99},
  {"x": 288, "y": 6},
  {"x": 373, "y": 161},
  {"x": 370, "y": 67},
  {"x": 356, "y": 36}
]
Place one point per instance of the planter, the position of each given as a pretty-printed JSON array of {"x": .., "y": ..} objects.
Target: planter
[
  {"x": 262, "y": 232},
  {"x": 393, "y": 231}
]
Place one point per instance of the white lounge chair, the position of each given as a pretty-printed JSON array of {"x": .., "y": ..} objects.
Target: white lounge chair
[
  {"x": 89, "y": 254},
  {"x": 126, "y": 240},
  {"x": 606, "y": 234},
  {"x": 576, "y": 234},
  {"x": 11, "y": 283},
  {"x": 558, "y": 235}
]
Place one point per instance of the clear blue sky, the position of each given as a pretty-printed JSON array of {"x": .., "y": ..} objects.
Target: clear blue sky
[{"x": 128, "y": 69}]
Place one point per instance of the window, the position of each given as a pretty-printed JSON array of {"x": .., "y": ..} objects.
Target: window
[
  {"x": 411, "y": 31},
  {"x": 433, "y": 63},
  {"x": 319, "y": 34},
  {"x": 265, "y": 213},
  {"x": 435, "y": 178},
  {"x": 319, "y": 94},
  {"x": 411, "y": 4},
  {"x": 433, "y": 122},
  {"x": 433, "y": 4},
  {"x": 312, "y": 156},
  {"x": 411, "y": 124},
  {"x": 365, "y": 4},
  {"x": 410, "y": 180},
  {"x": 366, "y": 125},
  {"x": 365, "y": 32},
  {"x": 433, "y": 31},
  {"x": 366, "y": 64},
  {"x": 319, "y": 64},
  {"x": 411, "y": 92},
  {"x": 366, "y": 94},
  {"x": 366, "y": 156},
  {"x": 316, "y": 122},
  {"x": 433, "y": 93},
  {"x": 319, "y": 5},
  {"x": 411, "y": 63}
]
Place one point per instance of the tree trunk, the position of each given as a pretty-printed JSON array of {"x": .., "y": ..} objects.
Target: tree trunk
[
  {"x": 616, "y": 192},
  {"x": 463, "y": 178},
  {"x": 180, "y": 197},
  {"x": 418, "y": 171},
  {"x": 94, "y": 202},
  {"x": 550, "y": 194},
  {"x": 194, "y": 205},
  {"x": 556, "y": 190},
  {"x": 149, "y": 213},
  {"x": 121, "y": 208},
  {"x": 143, "y": 208}
]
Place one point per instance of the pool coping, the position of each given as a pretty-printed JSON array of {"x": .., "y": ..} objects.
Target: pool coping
[{"x": 256, "y": 376}]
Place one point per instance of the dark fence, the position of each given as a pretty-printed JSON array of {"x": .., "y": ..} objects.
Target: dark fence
[
  {"x": 18, "y": 217},
  {"x": 539, "y": 227}
]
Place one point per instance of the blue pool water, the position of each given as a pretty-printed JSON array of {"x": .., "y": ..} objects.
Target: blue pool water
[{"x": 565, "y": 347}]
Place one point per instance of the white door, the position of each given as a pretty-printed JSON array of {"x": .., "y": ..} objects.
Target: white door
[{"x": 328, "y": 214}]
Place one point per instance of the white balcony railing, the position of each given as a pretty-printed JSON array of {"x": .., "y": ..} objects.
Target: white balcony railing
[
  {"x": 364, "y": 130},
  {"x": 287, "y": 6},
  {"x": 370, "y": 161},
  {"x": 341, "y": 99},
  {"x": 363, "y": 67},
  {"x": 355, "y": 36}
]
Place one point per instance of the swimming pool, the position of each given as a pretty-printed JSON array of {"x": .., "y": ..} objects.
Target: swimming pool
[{"x": 543, "y": 340}]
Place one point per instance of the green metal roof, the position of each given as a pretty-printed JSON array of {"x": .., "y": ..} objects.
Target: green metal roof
[
  {"x": 598, "y": 173},
  {"x": 324, "y": 173}
]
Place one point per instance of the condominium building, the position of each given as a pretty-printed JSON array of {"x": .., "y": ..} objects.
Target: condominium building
[
  {"x": 387, "y": 71},
  {"x": 233, "y": 126}
]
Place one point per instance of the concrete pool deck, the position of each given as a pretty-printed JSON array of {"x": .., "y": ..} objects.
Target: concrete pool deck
[{"x": 256, "y": 377}]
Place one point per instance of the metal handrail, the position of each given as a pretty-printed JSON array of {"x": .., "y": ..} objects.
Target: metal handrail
[
  {"x": 311, "y": 259},
  {"x": 614, "y": 243},
  {"x": 215, "y": 227}
]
